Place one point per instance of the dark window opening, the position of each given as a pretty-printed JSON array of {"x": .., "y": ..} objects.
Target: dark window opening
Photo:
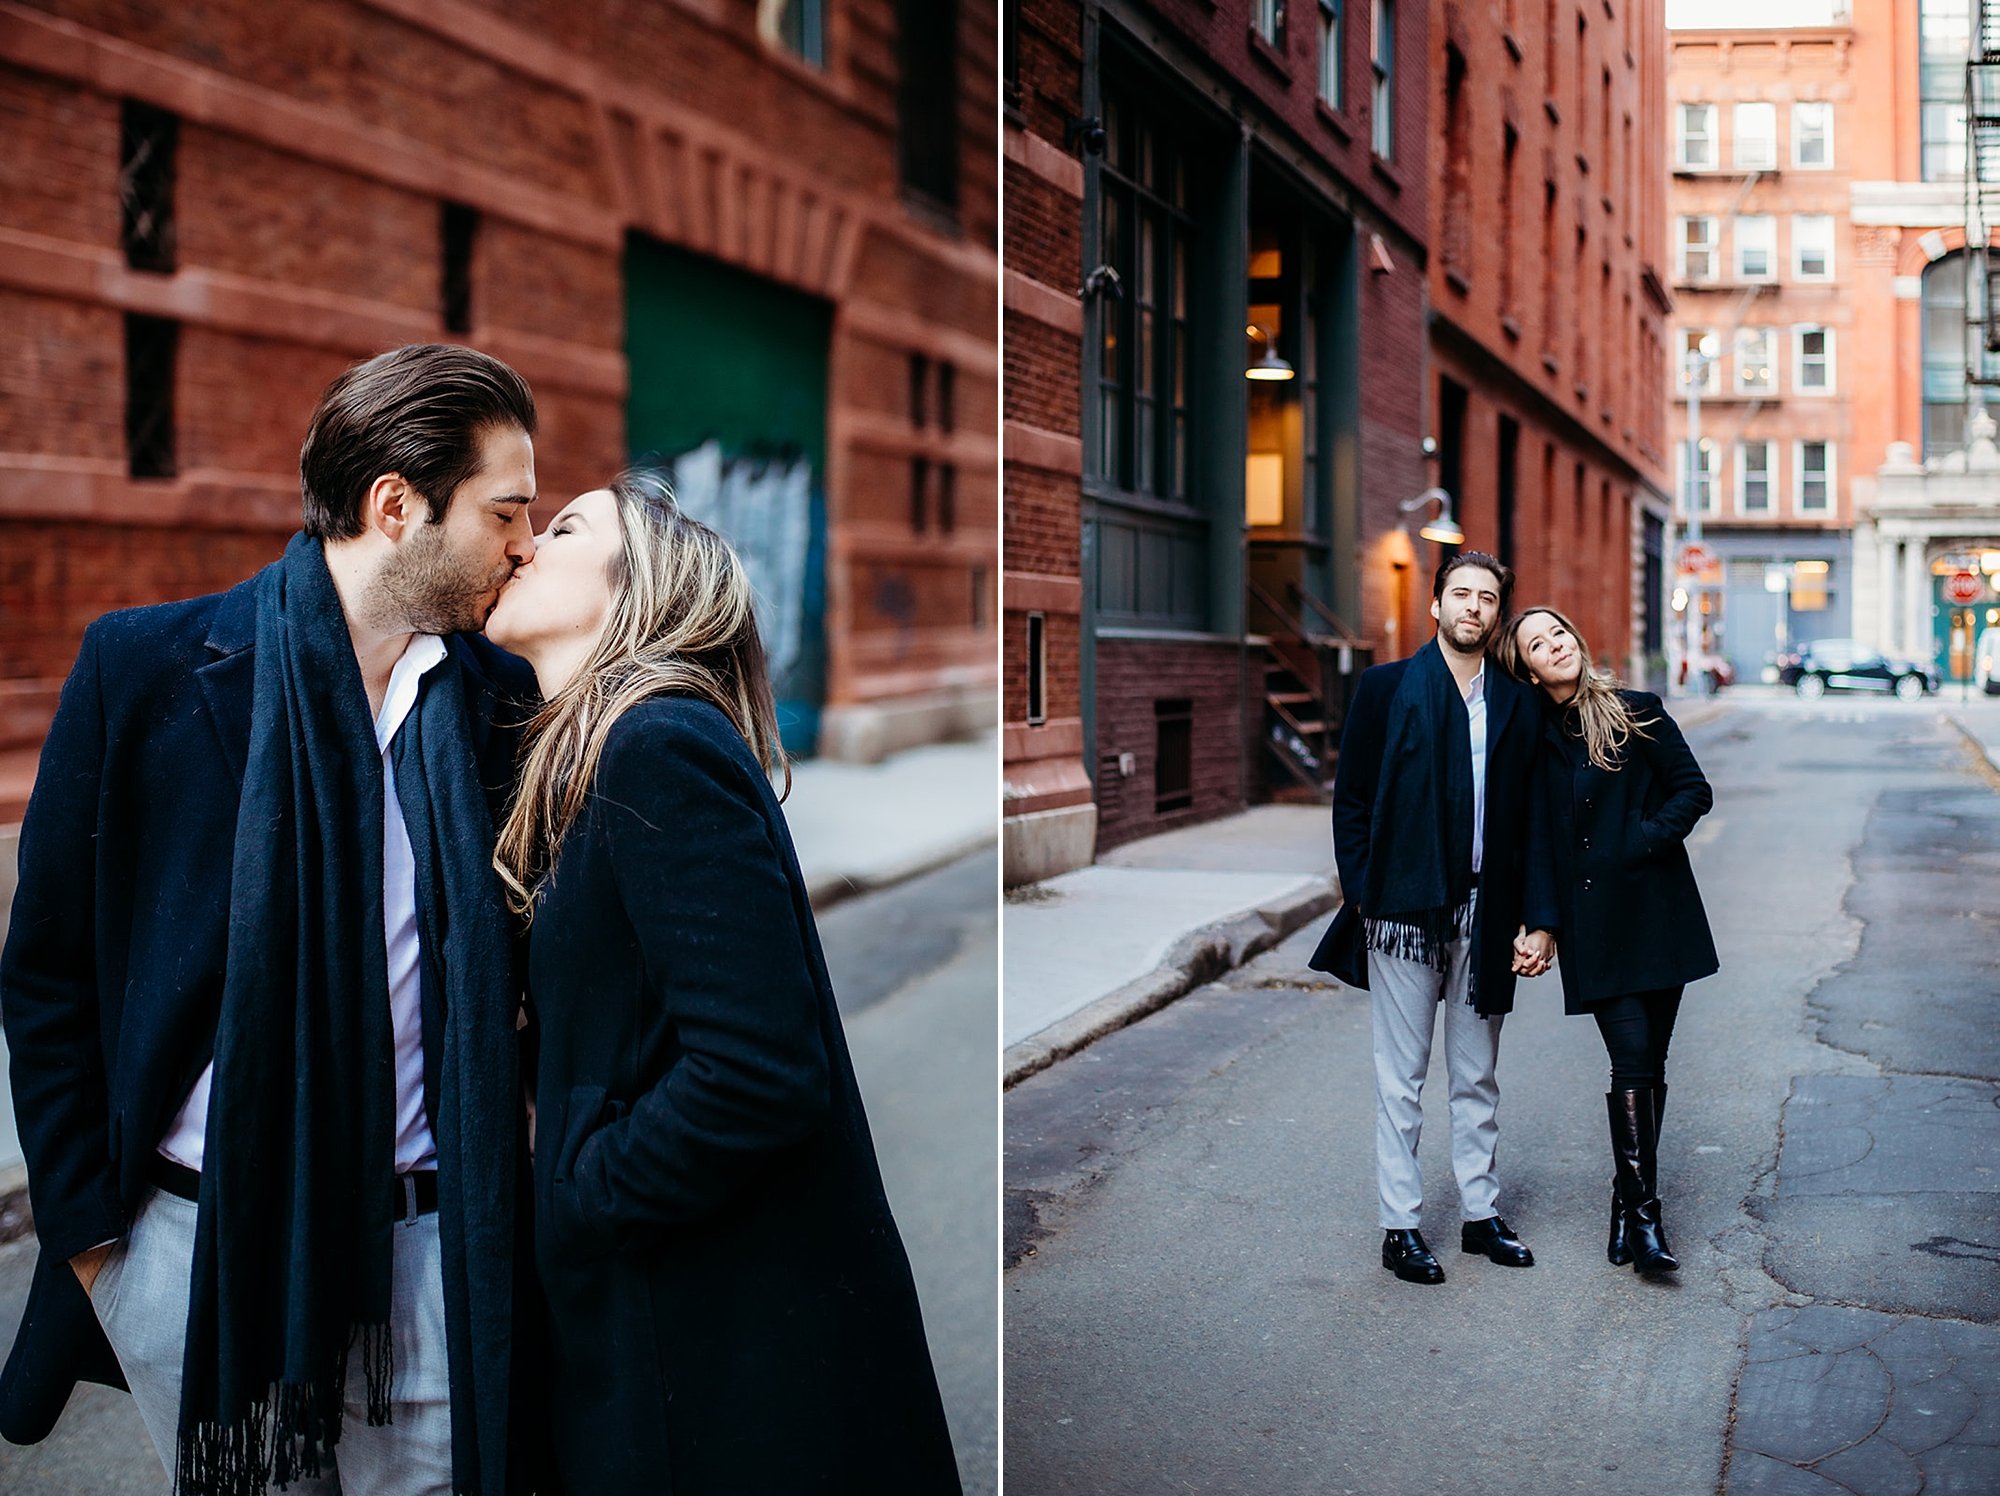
[
  {"x": 947, "y": 498},
  {"x": 148, "y": 140},
  {"x": 927, "y": 100},
  {"x": 920, "y": 480},
  {"x": 1173, "y": 754},
  {"x": 1510, "y": 483},
  {"x": 461, "y": 227},
  {"x": 1143, "y": 372},
  {"x": 1038, "y": 669},
  {"x": 979, "y": 598},
  {"x": 1010, "y": 53},
  {"x": 150, "y": 346},
  {"x": 1451, "y": 447}
]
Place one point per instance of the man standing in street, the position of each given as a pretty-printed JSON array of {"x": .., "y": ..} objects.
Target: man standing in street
[
  {"x": 259, "y": 987},
  {"x": 1444, "y": 872}
]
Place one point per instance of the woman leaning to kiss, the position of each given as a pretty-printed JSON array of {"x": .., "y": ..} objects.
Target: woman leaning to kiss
[
  {"x": 730, "y": 1306},
  {"x": 1624, "y": 791}
]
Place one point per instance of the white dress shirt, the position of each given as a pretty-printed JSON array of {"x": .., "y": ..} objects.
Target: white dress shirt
[
  {"x": 415, "y": 1148},
  {"x": 1475, "y": 715}
]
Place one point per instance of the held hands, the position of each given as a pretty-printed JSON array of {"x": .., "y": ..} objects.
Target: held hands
[
  {"x": 1533, "y": 954},
  {"x": 87, "y": 1265}
]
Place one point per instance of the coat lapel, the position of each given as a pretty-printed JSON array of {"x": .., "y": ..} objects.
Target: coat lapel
[
  {"x": 1500, "y": 703},
  {"x": 228, "y": 679}
]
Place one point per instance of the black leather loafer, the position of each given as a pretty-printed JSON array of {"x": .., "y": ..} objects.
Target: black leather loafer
[
  {"x": 1405, "y": 1255},
  {"x": 1491, "y": 1238}
]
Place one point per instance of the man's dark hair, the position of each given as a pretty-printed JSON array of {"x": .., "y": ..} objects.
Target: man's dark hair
[
  {"x": 1503, "y": 572},
  {"x": 419, "y": 411}
]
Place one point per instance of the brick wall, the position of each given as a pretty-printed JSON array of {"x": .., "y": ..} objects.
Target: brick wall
[
  {"x": 312, "y": 162},
  {"x": 1131, "y": 677},
  {"x": 1285, "y": 82},
  {"x": 1042, "y": 449}
]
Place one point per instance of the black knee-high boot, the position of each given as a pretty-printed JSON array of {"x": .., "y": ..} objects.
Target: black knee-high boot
[
  {"x": 1617, "y": 1251},
  {"x": 1635, "y": 1134}
]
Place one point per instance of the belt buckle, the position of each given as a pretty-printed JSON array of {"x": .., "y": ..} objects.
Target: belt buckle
[{"x": 409, "y": 1184}]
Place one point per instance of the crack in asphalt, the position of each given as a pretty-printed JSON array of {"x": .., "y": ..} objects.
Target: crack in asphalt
[{"x": 1767, "y": 1181}]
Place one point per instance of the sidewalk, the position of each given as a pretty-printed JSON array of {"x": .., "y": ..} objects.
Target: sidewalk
[
  {"x": 1093, "y": 950},
  {"x": 863, "y": 826}
]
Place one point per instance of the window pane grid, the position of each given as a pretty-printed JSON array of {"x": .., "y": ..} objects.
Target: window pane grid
[{"x": 1143, "y": 425}]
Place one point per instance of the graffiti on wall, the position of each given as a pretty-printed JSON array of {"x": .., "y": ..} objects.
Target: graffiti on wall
[{"x": 763, "y": 507}]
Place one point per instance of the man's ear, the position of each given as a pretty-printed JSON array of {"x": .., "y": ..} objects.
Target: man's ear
[
  {"x": 392, "y": 507},
  {"x": 1434, "y": 607}
]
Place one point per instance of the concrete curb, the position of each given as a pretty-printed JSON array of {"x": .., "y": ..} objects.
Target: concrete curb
[
  {"x": 1196, "y": 958},
  {"x": 1977, "y": 743},
  {"x": 827, "y": 889}
]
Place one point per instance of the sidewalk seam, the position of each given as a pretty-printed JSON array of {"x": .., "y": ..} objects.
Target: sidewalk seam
[{"x": 1197, "y": 958}]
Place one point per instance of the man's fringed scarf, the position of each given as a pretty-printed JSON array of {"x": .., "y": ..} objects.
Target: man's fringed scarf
[
  {"x": 1419, "y": 896},
  {"x": 293, "y": 1250}
]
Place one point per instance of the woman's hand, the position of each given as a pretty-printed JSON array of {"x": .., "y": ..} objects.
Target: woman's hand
[{"x": 1533, "y": 954}]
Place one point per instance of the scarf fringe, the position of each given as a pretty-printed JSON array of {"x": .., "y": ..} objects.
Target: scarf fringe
[
  {"x": 1425, "y": 938},
  {"x": 287, "y": 1436}
]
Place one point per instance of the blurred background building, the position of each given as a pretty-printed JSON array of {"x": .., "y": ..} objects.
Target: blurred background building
[
  {"x": 1549, "y": 321},
  {"x": 1834, "y": 197},
  {"x": 754, "y": 240},
  {"x": 1299, "y": 294},
  {"x": 1771, "y": 129}
]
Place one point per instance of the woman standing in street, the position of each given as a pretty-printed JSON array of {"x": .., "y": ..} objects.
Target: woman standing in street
[
  {"x": 730, "y": 1306},
  {"x": 1624, "y": 791}
]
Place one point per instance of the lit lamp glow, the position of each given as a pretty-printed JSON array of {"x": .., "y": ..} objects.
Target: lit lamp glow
[
  {"x": 1443, "y": 529},
  {"x": 1270, "y": 366}
]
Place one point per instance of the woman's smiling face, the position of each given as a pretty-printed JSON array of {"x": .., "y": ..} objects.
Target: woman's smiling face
[{"x": 1550, "y": 653}]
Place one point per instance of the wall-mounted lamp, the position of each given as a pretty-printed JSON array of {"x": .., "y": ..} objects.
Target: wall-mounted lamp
[
  {"x": 1443, "y": 529},
  {"x": 1270, "y": 366}
]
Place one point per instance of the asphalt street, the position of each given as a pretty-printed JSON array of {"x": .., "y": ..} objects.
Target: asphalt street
[
  {"x": 915, "y": 969},
  {"x": 1193, "y": 1298}
]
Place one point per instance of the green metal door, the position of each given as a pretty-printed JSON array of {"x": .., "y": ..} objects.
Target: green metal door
[{"x": 728, "y": 395}]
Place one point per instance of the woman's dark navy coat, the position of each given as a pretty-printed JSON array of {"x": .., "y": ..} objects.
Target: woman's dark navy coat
[
  {"x": 730, "y": 1304},
  {"x": 1632, "y": 919}
]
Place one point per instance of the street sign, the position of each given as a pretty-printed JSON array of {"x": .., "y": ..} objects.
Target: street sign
[
  {"x": 1963, "y": 587},
  {"x": 1696, "y": 557}
]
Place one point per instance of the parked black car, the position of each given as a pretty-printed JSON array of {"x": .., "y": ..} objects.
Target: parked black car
[{"x": 1849, "y": 665}]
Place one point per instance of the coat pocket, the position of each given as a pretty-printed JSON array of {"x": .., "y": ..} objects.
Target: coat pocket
[{"x": 579, "y": 1215}]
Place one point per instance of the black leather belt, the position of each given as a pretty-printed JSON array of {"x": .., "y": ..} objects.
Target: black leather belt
[{"x": 415, "y": 1193}]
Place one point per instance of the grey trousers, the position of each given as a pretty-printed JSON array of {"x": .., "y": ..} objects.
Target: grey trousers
[
  {"x": 1405, "y": 996},
  {"x": 141, "y": 1298}
]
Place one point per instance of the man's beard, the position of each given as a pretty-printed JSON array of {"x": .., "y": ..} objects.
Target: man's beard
[
  {"x": 429, "y": 589},
  {"x": 1482, "y": 633}
]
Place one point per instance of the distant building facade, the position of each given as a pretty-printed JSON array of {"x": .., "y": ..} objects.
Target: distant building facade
[
  {"x": 756, "y": 242},
  {"x": 1773, "y": 279},
  {"x": 1868, "y": 207}
]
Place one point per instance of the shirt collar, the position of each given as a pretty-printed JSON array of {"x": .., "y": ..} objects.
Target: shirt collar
[{"x": 419, "y": 656}]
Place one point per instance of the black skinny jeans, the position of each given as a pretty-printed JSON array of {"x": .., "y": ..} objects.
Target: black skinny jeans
[{"x": 1637, "y": 1029}]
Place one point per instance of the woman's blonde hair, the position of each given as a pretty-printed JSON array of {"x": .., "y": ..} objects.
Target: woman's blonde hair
[
  {"x": 682, "y": 623},
  {"x": 1607, "y": 722}
]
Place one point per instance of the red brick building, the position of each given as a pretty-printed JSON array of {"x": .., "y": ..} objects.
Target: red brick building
[
  {"x": 753, "y": 238},
  {"x": 1215, "y": 299},
  {"x": 1548, "y": 330}
]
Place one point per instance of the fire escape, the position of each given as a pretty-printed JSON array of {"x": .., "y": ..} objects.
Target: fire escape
[{"x": 1982, "y": 195}]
